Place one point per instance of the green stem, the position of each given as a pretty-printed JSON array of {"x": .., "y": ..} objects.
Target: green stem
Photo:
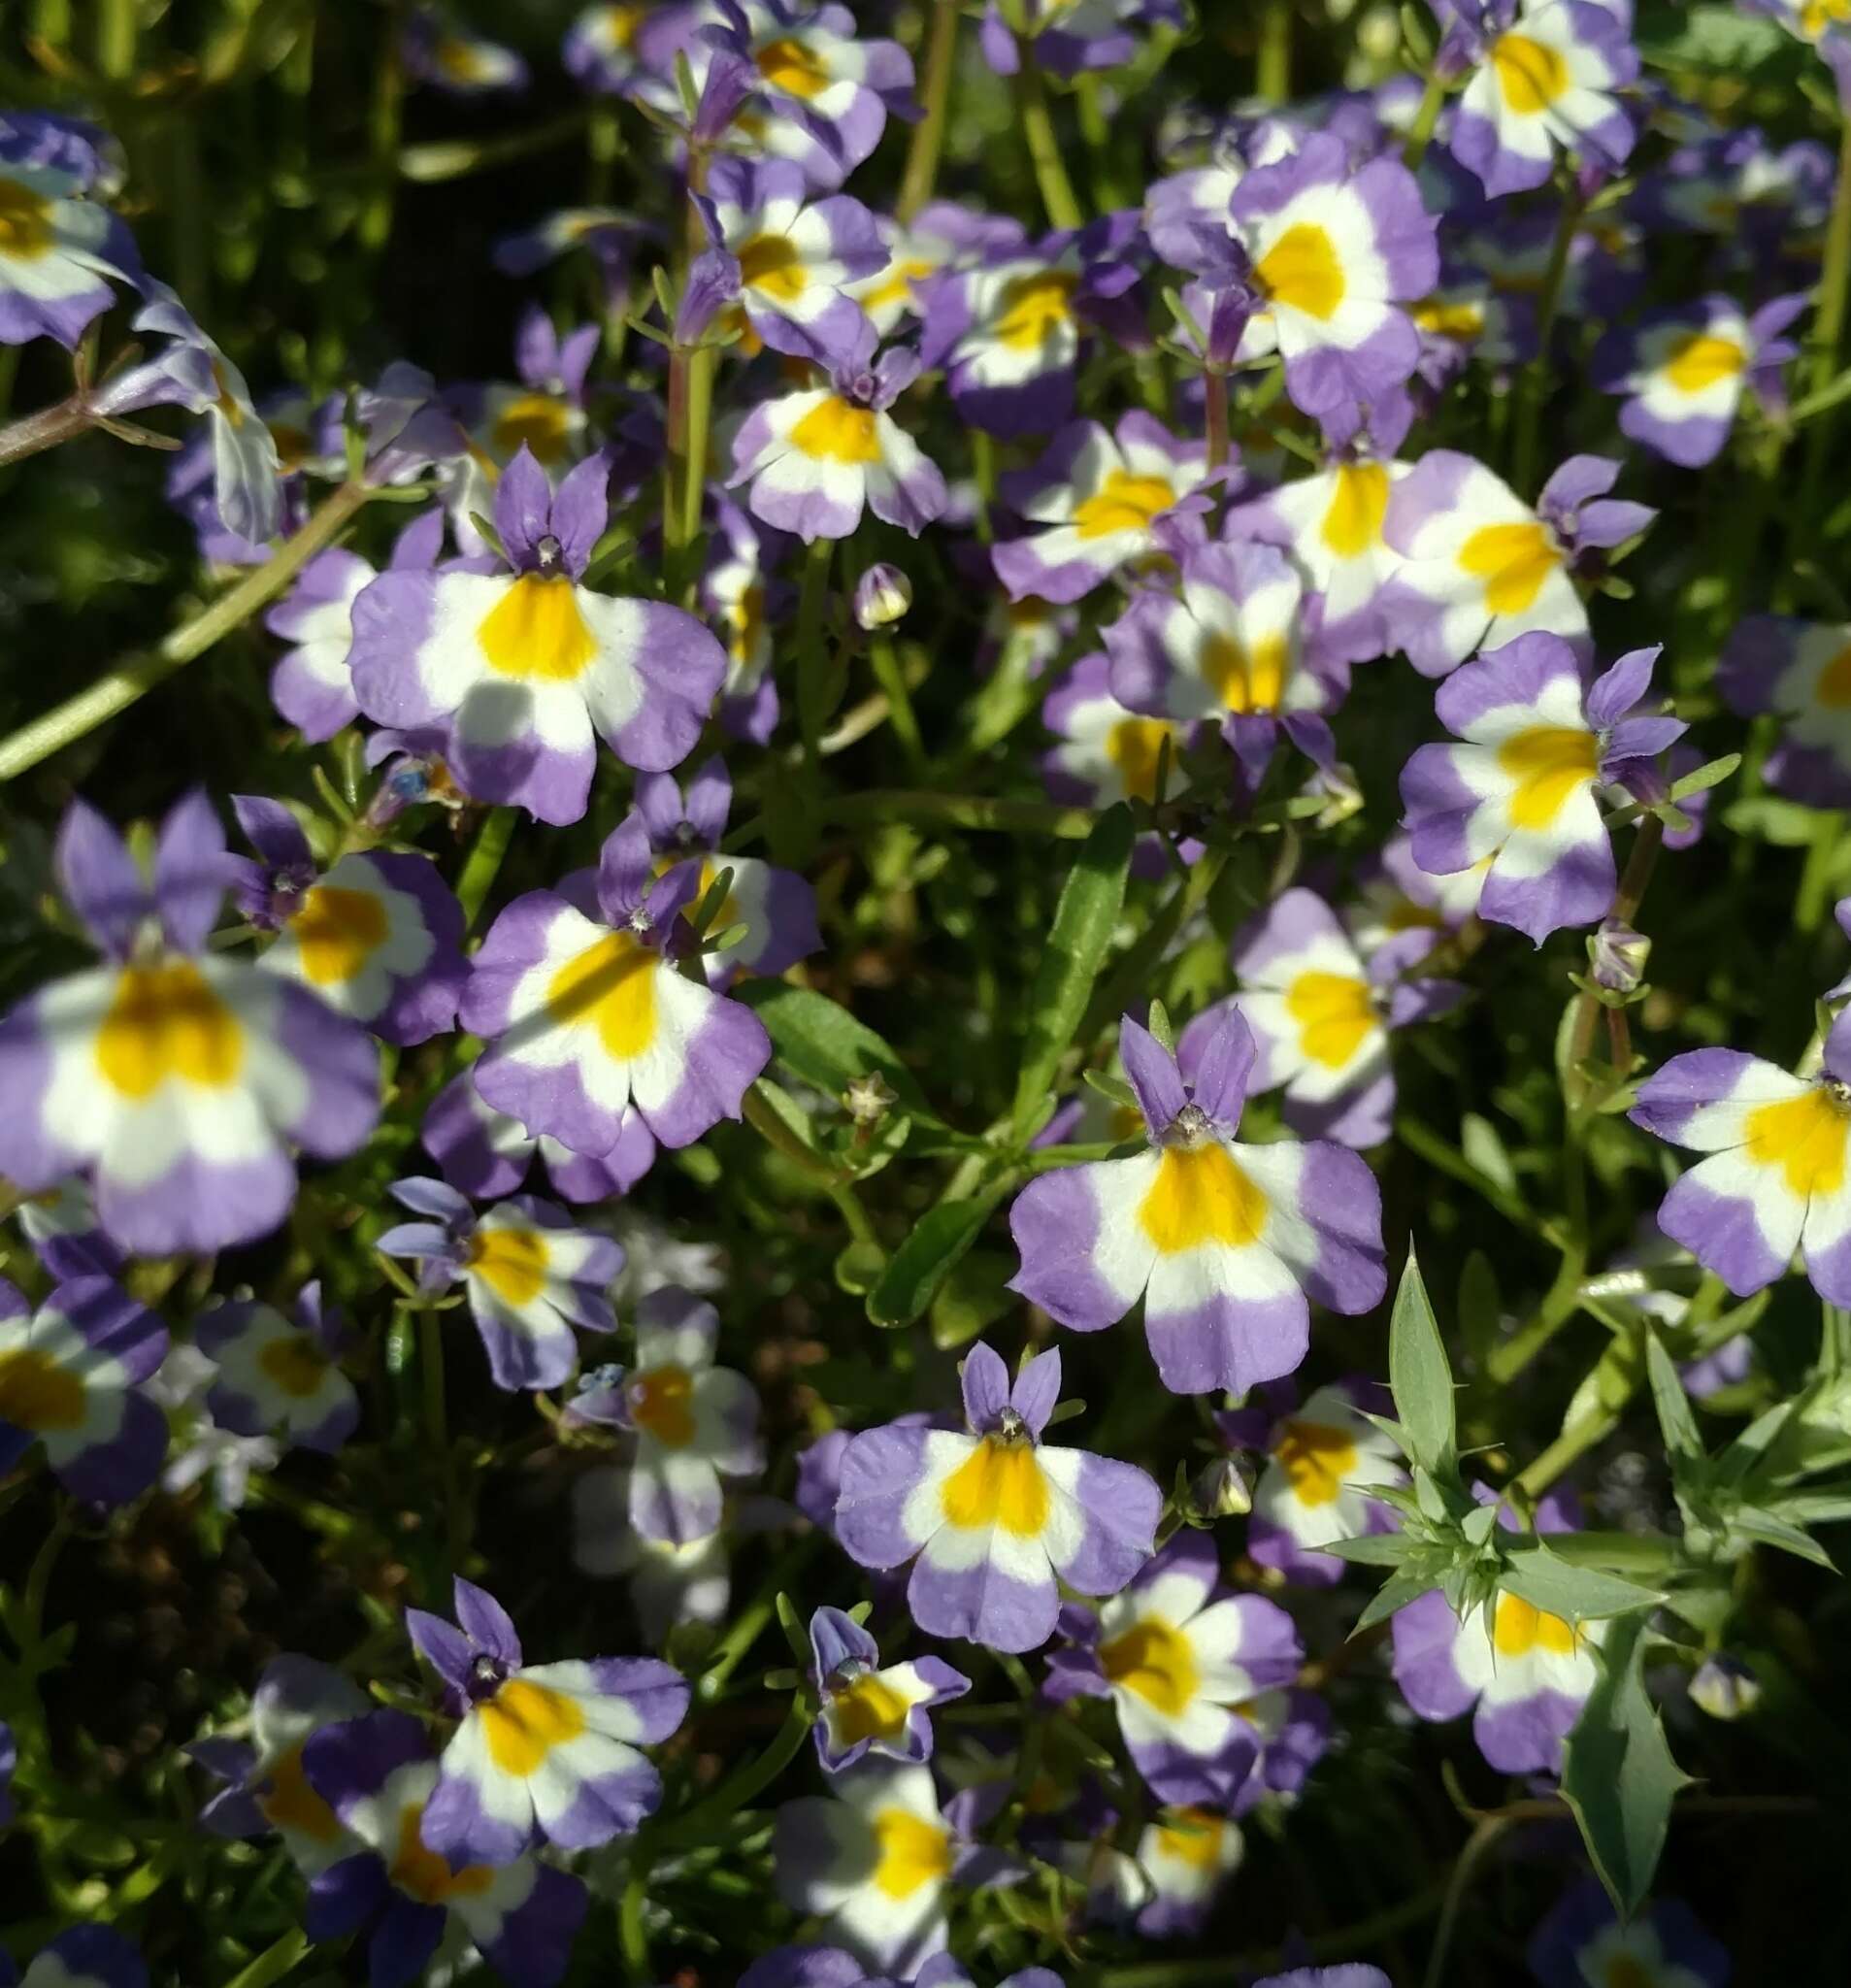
[
  {"x": 131, "y": 679},
  {"x": 700, "y": 416},
  {"x": 892, "y": 679},
  {"x": 1129, "y": 979},
  {"x": 928, "y": 135},
  {"x": 632, "y": 1936},
  {"x": 962, "y": 810},
  {"x": 116, "y": 31},
  {"x": 1478, "y": 1848},
  {"x": 1535, "y": 386},
  {"x": 274, "y": 1963},
  {"x": 1043, "y": 146},
  {"x": 697, "y": 1824},
  {"x": 1827, "y": 329},
  {"x": 1420, "y": 132},
  {"x": 1272, "y": 82},
  {"x": 1215, "y": 394},
  {"x": 754, "y": 1621},
  {"x": 1640, "y": 861},
  {"x": 482, "y": 864},
  {"x": 38, "y": 1579},
  {"x": 1815, "y": 879},
  {"x": 812, "y": 655},
  {"x": 385, "y": 123}
]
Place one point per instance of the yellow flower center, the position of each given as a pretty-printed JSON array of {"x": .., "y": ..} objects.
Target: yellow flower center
[
  {"x": 421, "y": 1874},
  {"x": 1123, "y": 503},
  {"x": 866, "y": 1708},
  {"x": 834, "y": 430},
  {"x": 771, "y": 264},
  {"x": 541, "y": 422},
  {"x": 1461, "y": 319},
  {"x": 1627, "y": 1970},
  {"x": 610, "y": 985},
  {"x": 1033, "y": 307},
  {"x": 1530, "y": 72},
  {"x": 164, "y": 1023},
  {"x": 913, "y": 1852},
  {"x": 1316, "y": 1459},
  {"x": 337, "y": 932},
  {"x": 1334, "y": 1013},
  {"x": 1519, "y": 1626},
  {"x": 25, "y": 221},
  {"x": 1359, "y": 502},
  {"x": 523, "y": 1722},
  {"x": 788, "y": 64},
  {"x": 511, "y": 1262},
  {"x": 1804, "y": 1137},
  {"x": 746, "y": 621},
  {"x": 295, "y": 1364},
  {"x": 1698, "y": 361},
  {"x": 291, "y": 1803},
  {"x": 1244, "y": 679},
  {"x": 1514, "y": 560},
  {"x": 535, "y": 631},
  {"x": 662, "y": 1402},
  {"x": 1134, "y": 745},
  {"x": 999, "y": 1484},
  {"x": 1302, "y": 272},
  {"x": 36, "y": 1394},
  {"x": 1550, "y": 765},
  {"x": 1199, "y": 1195},
  {"x": 897, "y": 286},
  {"x": 459, "y": 60},
  {"x": 1155, "y": 1660},
  {"x": 1193, "y": 1837},
  {"x": 1834, "y": 687}
]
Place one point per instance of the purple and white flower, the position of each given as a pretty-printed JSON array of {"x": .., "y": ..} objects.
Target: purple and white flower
[
  {"x": 867, "y": 1707},
  {"x": 487, "y": 1154},
  {"x": 1663, "y": 1946},
  {"x": 58, "y": 253},
  {"x": 279, "y": 1375},
  {"x": 1801, "y": 671}
]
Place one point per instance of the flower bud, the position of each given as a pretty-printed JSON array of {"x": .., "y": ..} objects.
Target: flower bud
[
  {"x": 1617, "y": 955},
  {"x": 883, "y": 596},
  {"x": 1725, "y": 1687},
  {"x": 1225, "y": 1489}
]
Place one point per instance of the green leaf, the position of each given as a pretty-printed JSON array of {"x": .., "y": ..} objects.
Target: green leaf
[
  {"x": 1113, "y": 1089},
  {"x": 1708, "y": 775},
  {"x": 1768, "y": 1529},
  {"x": 1618, "y": 1776},
  {"x": 1576, "y": 1594},
  {"x": 928, "y": 1256},
  {"x": 1083, "y": 924},
  {"x": 1394, "y": 1593},
  {"x": 824, "y": 1044},
  {"x": 974, "y": 1296},
  {"x": 1419, "y": 1373},
  {"x": 1676, "y": 1417},
  {"x": 1369, "y": 1549}
]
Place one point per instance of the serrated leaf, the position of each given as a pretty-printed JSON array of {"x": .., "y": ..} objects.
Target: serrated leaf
[
  {"x": 1393, "y": 1594},
  {"x": 1768, "y": 1529},
  {"x": 928, "y": 1256},
  {"x": 1576, "y": 1594},
  {"x": 1084, "y": 920},
  {"x": 819, "y": 1041},
  {"x": 1479, "y": 1524},
  {"x": 1675, "y": 1418},
  {"x": 1618, "y": 1776},
  {"x": 1419, "y": 1373},
  {"x": 1369, "y": 1549}
]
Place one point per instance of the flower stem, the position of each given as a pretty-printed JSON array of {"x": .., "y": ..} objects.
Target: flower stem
[
  {"x": 1827, "y": 329},
  {"x": 812, "y": 654},
  {"x": 1272, "y": 82},
  {"x": 483, "y": 862},
  {"x": 277, "y": 1959},
  {"x": 928, "y": 135},
  {"x": 1215, "y": 393},
  {"x": 1533, "y": 388},
  {"x": 695, "y": 1825},
  {"x": 132, "y": 679},
  {"x": 1420, "y": 132},
  {"x": 884, "y": 661},
  {"x": 46, "y": 428},
  {"x": 1043, "y": 146}
]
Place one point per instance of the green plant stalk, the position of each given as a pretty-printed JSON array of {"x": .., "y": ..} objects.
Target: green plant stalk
[
  {"x": 1640, "y": 861},
  {"x": 1273, "y": 80},
  {"x": 813, "y": 657},
  {"x": 1535, "y": 386},
  {"x": 1827, "y": 326},
  {"x": 928, "y": 135},
  {"x": 275, "y": 1961},
  {"x": 1043, "y": 145},
  {"x": 697, "y": 1824},
  {"x": 1814, "y": 894},
  {"x": 46, "y": 428},
  {"x": 482, "y": 864},
  {"x": 1420, "y": 132},
  {"x": 1215, "y": 395},
  {"x": 632, "y": 1937},
  {"x": 700, "y": 420},
  {"x": 884, "y": 662},
  {"x": 134, "y": 678}
]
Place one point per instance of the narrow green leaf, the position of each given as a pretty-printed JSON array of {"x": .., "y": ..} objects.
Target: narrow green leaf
[
  {"x": 1419, "y": 1373},
  {"x": 922, "y": 1264},
  {"x": 1394, "y": 1593},
  {"x": 1708, "y": 775},
  {"x": 1576, "y": 1594},
  {"x": 1618, "y": 1776},
  {"x": 1369, "y": 1549},
  {"x": 1676, "y": 1417},
  {"x": 1083, "y": 923},
  {"x": 1768, "y": 1529},
  {"x": 820, "y": 1042}
]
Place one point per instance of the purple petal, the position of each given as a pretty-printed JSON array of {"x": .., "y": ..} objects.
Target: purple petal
[
  {"x": 1153, "y": 1076},
  {"x": 485, "y": 1622},
  {"x": 986, "y": 1387},
  {"x": 99, "y": 879}
]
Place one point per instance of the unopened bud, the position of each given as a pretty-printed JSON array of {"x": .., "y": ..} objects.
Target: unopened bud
[
  {"x": 1225, "y": 1489},
  {"x": 1617, "y": 955},
  {"x": 883, "y": 596},
  {"x": 868, "y": 1099},
  {"x": 1725, "y": 1687}
]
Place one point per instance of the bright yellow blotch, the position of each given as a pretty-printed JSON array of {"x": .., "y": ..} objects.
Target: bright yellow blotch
[
  {"x": 1303, "y": 272},
  {"x": 1156, "y": 1662},
  {"x": 897, "y": 285},
  {"x": 788, "y": 64},
  {"x": 770, "y": 265},
  {"x": 746, "y": 623},
  {"x": 1193, "y": 1837},
  {"x": 290, "y": 1803},
  {"x": 536, "y": 633},
  {"x": 1316, "y": 1459},
  {"x": 1698, "y": 361},
  {"x": 511, "y": 1262},
  {"x": 836, "y": 430},
  {"x": 610, "y": 985},
  {"x": 1244, "y": 679},
  {"x": 544, "y": 424},
  {"x": 914, "y": 1852},
  {"x": 1627, "y": 1970},
  {"x": 1519, "y": 1626},
  {"x": 37, "y": 1394},
  {"x": 662, "y": 1403},
  {"x": 295, "y": 1364},
  {"x": 1463, "y": 319},
  {"x": 164, "y": 1023},
  {"x": 25, "y": 221},
  {"x": 1834, "y": 687},
  {"x": 1531, "y": 74},
  {"x": 1804, "y": 1137},
  {"x": 1123, "y": 503},
  {"x": 866, "y": 1708},
  {"x": 1334, "y": 1012},
  {"x": 1134, "y": 745},
  {"x": 1816, "y": 16},
  {"x": 1550, "y": 765},
  {"x": 523, "y": 1722},
  {"x": 1514, "y": 560},
  {"x": 999, "y": 1484},
  {"x": 1199, "y": 1195},
  {"x": 421, "y": 1874},
  {"x": 1033, "y": 307},
  {"x": 1353, "y": 522},
  {"x": 337, "y": 932},
  {"x": 460, "y": 62}
]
